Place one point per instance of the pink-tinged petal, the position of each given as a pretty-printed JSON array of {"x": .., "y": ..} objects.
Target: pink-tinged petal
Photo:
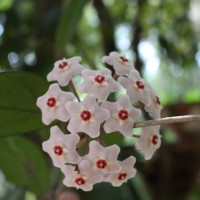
[
  {"x": 95, "y": 148},
  {"x": 155, "y": 107},
  {"x": 83, "y": 178},
  {"x": 112, "y": 152},
  {"x": 73, "y": 107},
  {"x": 120, "y": 63},
  {"x": 52, "y": 104},
  {"x": 74, "y": 126},
  {"x": 86, "y": 116},
  {"x": 136, "y": 88},
  {"x": 101, "y": 114},
  {"x": 110, "y": 125},
  {"x": 60, "y": 149},
  {"x": 127, "y": 171},
  {"x": 122, "y": 116},
  {"x": 99, "y": 83},
  {"x": 113, "y": 167},
  {"x": 103, "y": 159},
  {"x": 92, "y": 129},
  {"x": 64, "y": 69},
  {"x": 89, "y": 100},
  {"x": 68, "y": 171},
  {"x": 149, "y": 141}
]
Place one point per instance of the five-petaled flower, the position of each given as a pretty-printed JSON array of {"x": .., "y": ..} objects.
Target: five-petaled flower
[
  {"x": 52, "y": 104},
  {"x": 149, "y": 141},
  {"x": 83, "y": 177},
  {"x": 61, "y": 147},
  {"x": 155, "y": 107},
  {"x": 86, "y": 116},
  {"x": 121, "y": 64},
  {"x": 103, "y": 159},
  {"x": 127, "y": 171},
  {"x": 136, "y": 87},
  {"x": 99, "y": 82},
  {"x": 64, "y": 69},
  {"x": 122, "y": 116}
]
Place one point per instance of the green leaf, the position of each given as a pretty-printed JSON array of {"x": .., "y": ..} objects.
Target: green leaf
[
  {"x": 18, "y": 111},
  {"x": 70, "y": 16},
  {"x": 5, "y": 4},
  {"x": 23, "y": 164}
]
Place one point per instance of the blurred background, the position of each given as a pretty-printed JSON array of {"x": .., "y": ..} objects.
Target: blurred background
[{"x": 162, "y": 37}]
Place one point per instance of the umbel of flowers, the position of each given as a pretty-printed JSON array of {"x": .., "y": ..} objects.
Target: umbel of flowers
[{"x": 99, "y": 163}]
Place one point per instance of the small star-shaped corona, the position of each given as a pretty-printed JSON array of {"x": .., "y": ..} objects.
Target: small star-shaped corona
[
  {"x": 62, "y": 148},
  {"x": 64, "y": 69},
  {"x": 52, "y": 104},
  {"x": 121, "y": 64},
  {"x": 99, "y": 82},
  {"x": 122, "y": 116},
  {"x": 86, "y": 116},
  {"x": 149, "y": 141}
]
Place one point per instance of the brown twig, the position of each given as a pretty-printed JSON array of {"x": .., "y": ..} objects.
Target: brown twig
[
  {"x": 74, "y": 90},
  {"x": 168, "y": 120}
]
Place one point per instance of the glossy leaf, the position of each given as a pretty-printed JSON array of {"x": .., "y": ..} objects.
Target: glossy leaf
[
  {"x": 23, "y": 164},
  {"x": 18, "y": 112}
]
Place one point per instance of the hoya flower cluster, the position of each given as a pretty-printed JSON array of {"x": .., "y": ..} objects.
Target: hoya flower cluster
[{"x": 94, "y": 116}]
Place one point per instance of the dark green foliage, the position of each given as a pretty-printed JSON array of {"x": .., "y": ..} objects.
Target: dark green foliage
[{"x": 19, "y": 92}]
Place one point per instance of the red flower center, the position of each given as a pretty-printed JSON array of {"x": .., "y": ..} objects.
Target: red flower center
[
  {"x": 63, "y": 65},
  {"x": 154, "y": 139},
  {"x": 157, "y": 100},
  {"x": 51, "y": 102},
  {"x": 140, "y": 85},
  {"x": 123, "y": 59},
  {"x": 99, "y": 79},
  {"x": 122, "y": 176},
  {"x": 123, "y": 115},
  {"x": 58, "y": 150},
  {"x": 80, "y": 181},
  {"x": 101, "y": 164},
  {"x": 85, "y": 115}
]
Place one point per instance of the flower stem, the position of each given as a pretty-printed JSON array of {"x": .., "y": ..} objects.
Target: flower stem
[
  {"x": 136, "y": 136},
  {"x": 74, "y": 90},
  {"x": 168, "y": 120},
  {"x": 115, "y": 76}
]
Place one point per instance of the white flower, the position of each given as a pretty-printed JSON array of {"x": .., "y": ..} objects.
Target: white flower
[
  {"x": 52, "y": 104},
  {"x": 99, "y": 82},
  {"x": 64, "y": 69},
  {"x": 136, "y": 87},
  {"x": 121, "y": 64},
  {"x": 128, "y": 171},
  {"x": 149, "y": 141},
  {"x": 62, "y": 148},
  {"x": 81, "y": 177},
  {"x": 155, "y": 107},
  {"x": 103, "y": 159},
  {"x": 122, "y": 116},
  {"x": 86, "y": 116}
]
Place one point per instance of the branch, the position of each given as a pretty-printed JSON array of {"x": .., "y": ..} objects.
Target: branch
[{"x": 168, "y": 120}]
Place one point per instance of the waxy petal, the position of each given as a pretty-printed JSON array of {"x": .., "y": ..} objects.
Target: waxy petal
[
  {"x": 121, "y": 64},
  {"x": 99, "y": 82},
  {"x": 149, "y": 141},
  {"x": 88, "y": 122},
  {"x": 66, "y": 145},
  {"x": 62, "y": 73},
  {"x": 52, "y": 104}
]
